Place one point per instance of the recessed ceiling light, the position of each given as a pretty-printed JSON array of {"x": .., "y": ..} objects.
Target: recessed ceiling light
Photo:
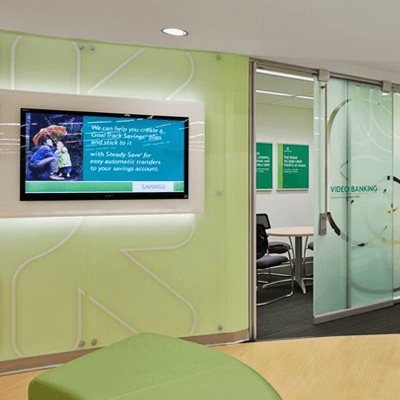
[
  {"x": 174, "y": 32},
  {"x": 283, "y": 75}
]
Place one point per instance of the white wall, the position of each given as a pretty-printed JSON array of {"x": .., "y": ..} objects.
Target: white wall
[{"x": 292, "y": 125}]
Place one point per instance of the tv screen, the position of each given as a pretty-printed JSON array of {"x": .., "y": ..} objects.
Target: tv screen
[{"x": 74, "y": 155}]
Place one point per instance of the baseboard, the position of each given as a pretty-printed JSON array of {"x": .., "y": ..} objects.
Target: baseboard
[
  {"x": 220, "y": 338},
  {"x": 331, "y": 316},
  {"x": 47, "y": 361},
  {"x": 44, "y": 361}
]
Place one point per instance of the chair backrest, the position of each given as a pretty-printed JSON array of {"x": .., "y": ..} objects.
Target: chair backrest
[
  {"x": 262, "y": 219},
  {"x": 262, "y": 241}
]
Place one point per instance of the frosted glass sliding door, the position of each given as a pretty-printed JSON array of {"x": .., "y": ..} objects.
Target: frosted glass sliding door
[{"x": 353, "y": 261}]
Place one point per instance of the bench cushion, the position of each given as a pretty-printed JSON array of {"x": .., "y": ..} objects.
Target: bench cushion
[{"x": 149, "y": 366}]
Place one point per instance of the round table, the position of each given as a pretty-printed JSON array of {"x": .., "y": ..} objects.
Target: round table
[{"x": 298, "y": 232}]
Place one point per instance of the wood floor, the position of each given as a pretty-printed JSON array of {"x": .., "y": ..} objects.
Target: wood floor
[
  {"x": 15, "y": 387},
  {"x": 330, "y": 368}
]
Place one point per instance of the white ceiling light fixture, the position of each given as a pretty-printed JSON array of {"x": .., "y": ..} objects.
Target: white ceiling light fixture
[
  {"x": 275, "y": 93},
  {"x": 174, "y": 32},
  {"x": 284, "y": 75},
  {"x": 305, "y": 97},
  {"x": 284, "y": 94}
]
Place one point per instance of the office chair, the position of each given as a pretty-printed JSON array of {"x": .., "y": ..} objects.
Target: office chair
[
  {"x": 266, "y": 262},
  {"x": 309, "y": 246},
  {"x": 274, "y": 247}
]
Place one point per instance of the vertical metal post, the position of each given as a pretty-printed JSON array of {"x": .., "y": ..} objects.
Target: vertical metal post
[
  {"x": 392, "y": 195},
  {"x": 348, "y": 203},
  {"x": 323, "y": 217},
  {"x": 252, "y": 216},
  {"x": 326, "y": 154}
]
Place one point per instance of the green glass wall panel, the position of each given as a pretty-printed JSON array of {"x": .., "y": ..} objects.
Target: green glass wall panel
[
  {"x": 46, "y": 64},
  {"x": 75, "y": 280},
  {"x": 7, "y": 40},
  {"x": 43, "y": 272},
  {"x": 354, "y": 261}
]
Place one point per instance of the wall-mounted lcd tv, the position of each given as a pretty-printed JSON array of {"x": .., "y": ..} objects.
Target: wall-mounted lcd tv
[{"x": 75, "y": 155}]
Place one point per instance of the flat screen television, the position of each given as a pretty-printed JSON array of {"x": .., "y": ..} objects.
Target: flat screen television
[{"x": 75, "y": 155}]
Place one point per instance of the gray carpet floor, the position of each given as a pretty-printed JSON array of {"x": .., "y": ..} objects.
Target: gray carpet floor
[{"x": 293, "y": 318}]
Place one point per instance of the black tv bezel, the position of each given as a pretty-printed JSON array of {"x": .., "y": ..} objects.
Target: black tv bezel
[{"x": 24, "y": 196}]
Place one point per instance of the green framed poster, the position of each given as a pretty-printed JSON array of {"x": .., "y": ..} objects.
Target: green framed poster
[
  {"x": 264, "y": 166},
  {"x": 293, "y": 166}
]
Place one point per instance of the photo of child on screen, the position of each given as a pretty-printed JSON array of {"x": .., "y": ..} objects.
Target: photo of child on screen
[
  {"x": 64, "y": 161},
  {"x": 44, "y": 162}
]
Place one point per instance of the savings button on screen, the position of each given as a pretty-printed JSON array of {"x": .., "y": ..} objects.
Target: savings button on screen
[{"x": 154, "y": 187}]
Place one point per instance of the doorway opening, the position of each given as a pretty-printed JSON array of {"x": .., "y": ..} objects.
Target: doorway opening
[{"x": 284, "y": 137}]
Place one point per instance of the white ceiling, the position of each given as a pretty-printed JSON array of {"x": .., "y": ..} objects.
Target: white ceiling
[
  {"x": 359, "y": 37},
  {"x": 283, "y": 85}
]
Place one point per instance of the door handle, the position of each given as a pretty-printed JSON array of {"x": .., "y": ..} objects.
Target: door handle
[{"x": 323, "y": 217}]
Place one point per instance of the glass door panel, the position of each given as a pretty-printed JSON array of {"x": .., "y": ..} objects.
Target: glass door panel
[
  {"x": 396, "y": 190},
  {"x": 354, "y": 260},
  {"x": 370, "y": 207}
]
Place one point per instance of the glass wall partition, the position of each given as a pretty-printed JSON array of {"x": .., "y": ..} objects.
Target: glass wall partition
[
  {"x": 396, "y": 195},
  {"x": 354, "y": 193},
  {"x": 75, "y": 283}
]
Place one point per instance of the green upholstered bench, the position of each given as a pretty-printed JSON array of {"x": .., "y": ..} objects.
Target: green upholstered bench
[{"x": 149, "y": 366}]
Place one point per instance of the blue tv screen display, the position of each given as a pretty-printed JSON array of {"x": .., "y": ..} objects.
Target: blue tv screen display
[{"x": 74, "y": 155}]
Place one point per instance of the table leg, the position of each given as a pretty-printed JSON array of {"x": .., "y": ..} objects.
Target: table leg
[{"x": 298, "y": 263}]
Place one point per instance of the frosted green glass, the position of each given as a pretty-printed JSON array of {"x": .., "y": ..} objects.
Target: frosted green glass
[
  {"x": 370, "y": 213},
  {"x": 100, "y": 279},
  {"x": 354, "y": 261}
]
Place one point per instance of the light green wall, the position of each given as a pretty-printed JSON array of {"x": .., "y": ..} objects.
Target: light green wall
[{"x": 76, "y": 279}]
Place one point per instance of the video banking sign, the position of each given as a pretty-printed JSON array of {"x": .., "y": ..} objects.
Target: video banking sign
[
  {"x": 351, "y": 192},
  {"x": 353, "y": 189}
]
